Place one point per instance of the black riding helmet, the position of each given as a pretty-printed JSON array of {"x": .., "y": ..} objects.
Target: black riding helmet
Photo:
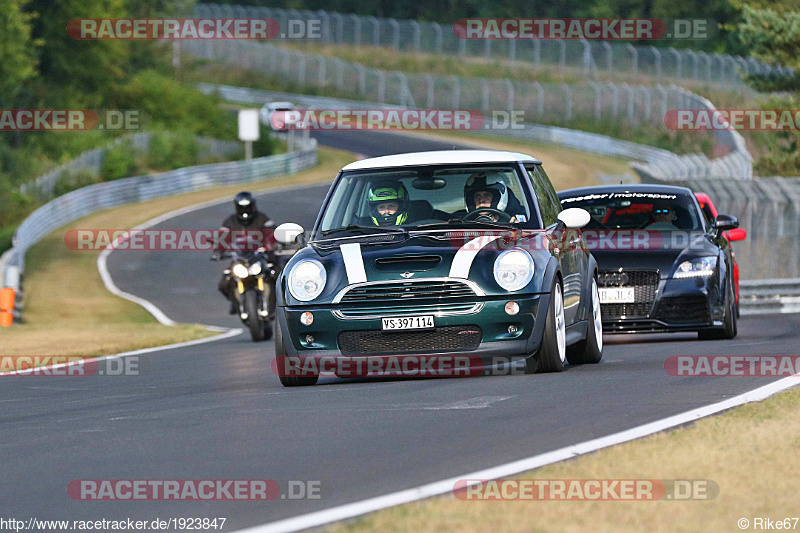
[{"x": 245, "y": 204}]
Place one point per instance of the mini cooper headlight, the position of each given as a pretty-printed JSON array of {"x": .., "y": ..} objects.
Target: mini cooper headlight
[
  {"x": 513, "y": 269},
  {"x": 700, "y": 267},
  {"x": 239, "y": 270},
  {"x": 255, "y": 269},
  {"x": 307, "y": 279}
]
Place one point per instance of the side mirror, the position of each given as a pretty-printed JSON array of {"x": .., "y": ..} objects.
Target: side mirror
[
  {"x": 726, "y": 222},
  {"x": 574, "y": 217},
  {"x": 737, "y": 234},
  {"x": 288, "y": 232}
]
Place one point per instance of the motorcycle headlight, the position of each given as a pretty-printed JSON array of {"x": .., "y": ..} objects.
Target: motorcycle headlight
[
  {"x": 255, "y": 269},
  {"x": 240, "y": 271},
  {"x": 701, "y": 267},
  {"x": 307, "y": 279},
  {"x": 513, "y": 269}
]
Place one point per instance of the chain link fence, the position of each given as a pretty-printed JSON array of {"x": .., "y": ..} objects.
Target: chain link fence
[
  {"x": 563, "y": 103},
  {"x": 87, "y": 200},
  {"x": 591, "y": 59}
]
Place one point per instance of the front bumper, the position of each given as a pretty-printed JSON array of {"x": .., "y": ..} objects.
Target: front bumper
[
  {"x": 480, "y": 335},
  {"x": 679, "y": 305}
]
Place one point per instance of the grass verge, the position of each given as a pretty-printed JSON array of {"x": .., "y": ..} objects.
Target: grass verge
[
  {"x": 750, "y": 452},
  {"x": 566, "y": 168},
  {"x": 68, "y": 310}
]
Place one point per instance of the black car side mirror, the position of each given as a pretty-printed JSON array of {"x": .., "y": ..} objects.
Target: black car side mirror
[{"x": 725, "y": 222}]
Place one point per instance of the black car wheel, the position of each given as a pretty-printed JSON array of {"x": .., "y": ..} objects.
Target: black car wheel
[
  {"x": 280, "y": 356},
  {"x": 552, "y": 351},
  {"x": 589, "y": 350}
]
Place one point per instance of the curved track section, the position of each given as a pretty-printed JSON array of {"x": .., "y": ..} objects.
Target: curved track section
[{"x": 216, "y": 411}]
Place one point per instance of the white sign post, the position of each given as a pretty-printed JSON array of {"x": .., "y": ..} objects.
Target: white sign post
[{"x": 249, "y": 127}]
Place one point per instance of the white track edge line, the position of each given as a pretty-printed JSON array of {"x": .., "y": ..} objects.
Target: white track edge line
[{"x": 437, "y": 488}]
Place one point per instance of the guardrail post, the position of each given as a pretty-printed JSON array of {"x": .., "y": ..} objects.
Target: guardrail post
[
  {"x": 539, "y": 98},
  {"x": 376, "y": 31},
  {"x": 568, "y": 104},
  {"x": 484, "y": 94},
  {"x": 609, "y": 55},
  {"x": 437, "y": 28},
  {"x": 339, "y": 35},
  {"x": 657, "y": 59},
  {"x": 537, "y": 51},
  {"x": 416, "y": 34},
  {"x": 356, "y": 29},
  {"x": 562, "y": 53},
  {"x": 430, "y": 96},
  {"x": 456, "y": 92},
  {"x": 512, "y": 50},
  {"x": 634, "y": 59},
  {"x": 596, "y": 90},
  {"x": 510, "y": 94},
  {"x": 395, "y": 33}
]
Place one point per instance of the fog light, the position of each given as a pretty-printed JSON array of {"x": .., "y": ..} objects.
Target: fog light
[
  {"x": 243, "y": 316},
  {"x": 263, "y": 312},
  {"x": 309, "y": 339},
  {"x": 512, "y": 329},
  {"x": 306, "y": 318},
  {"x": 512, "y": 308}
]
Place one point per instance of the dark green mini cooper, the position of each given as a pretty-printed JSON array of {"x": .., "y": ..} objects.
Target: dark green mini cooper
[{"x": 426, "y": 263}]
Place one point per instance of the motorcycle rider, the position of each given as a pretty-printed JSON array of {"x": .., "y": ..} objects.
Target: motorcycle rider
[{"x": 247, "y": 217}]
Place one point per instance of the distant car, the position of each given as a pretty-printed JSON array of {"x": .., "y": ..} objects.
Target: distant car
[
  {"x": 440, "y": 253},
  {"x": 265, "y": 114},
  {"x": 737, "y": 234},
  {"x": 663, "y": 266}
]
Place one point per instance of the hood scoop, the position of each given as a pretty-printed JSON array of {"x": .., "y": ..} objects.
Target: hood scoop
[{"x": 407, "y": 263}]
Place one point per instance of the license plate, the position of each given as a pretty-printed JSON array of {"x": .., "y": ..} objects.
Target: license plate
[
  {"x": 404, "y": 323},
  {"x": 617, "y": 296}
]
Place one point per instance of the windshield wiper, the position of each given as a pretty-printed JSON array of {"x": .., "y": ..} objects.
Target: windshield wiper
[
  {"x": 364, "y": 229},
  {"x": 457, "y": 222}
]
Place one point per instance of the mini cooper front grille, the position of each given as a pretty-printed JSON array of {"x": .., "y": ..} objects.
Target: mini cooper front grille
[
  {"x": 691, "y": 309},
  {"x": 645, "y": 286},
  {"x": 405, "y": 292},
  {"x": 441, "y": 339}
]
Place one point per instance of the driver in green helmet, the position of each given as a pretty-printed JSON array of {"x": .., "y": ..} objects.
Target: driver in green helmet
[{"x": 388, "y": 203}]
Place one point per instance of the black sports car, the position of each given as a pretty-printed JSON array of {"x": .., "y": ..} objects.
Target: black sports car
[{"x": 663, "y": 266}]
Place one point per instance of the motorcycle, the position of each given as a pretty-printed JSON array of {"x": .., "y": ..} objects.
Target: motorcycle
[{"x": 254, "y": 275}]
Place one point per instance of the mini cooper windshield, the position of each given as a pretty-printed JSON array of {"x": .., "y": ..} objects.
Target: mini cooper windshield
[{"x": 428, "y": 197}]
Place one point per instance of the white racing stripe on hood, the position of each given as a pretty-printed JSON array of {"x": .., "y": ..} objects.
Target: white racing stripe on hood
[
  {"x": 353, "y": 263},
  {"x": 466, "y": 254}
]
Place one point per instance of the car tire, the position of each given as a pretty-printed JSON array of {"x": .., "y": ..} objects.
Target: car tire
[
  {"x": 280, "y": 356},
  {"x": 589, "y": 350},
  {"x": 551, "y": 355},
  {"x": 729, "y": 329}
]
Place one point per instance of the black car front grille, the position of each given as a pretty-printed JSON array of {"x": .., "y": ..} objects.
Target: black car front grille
[
  {"x": 645, "y": 286},
  {"x": 692, "y": 309},
  {"x": 403, "y": 292},
  {"x": 442, "y": 339}
]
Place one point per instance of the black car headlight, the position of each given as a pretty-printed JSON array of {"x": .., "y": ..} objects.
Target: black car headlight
[
  {"x": 307, "y": 279},
  {"x": 696, "y": 268}
]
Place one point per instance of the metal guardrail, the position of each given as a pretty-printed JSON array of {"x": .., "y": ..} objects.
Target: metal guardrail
[
  {"x": 44, "y": 185},
  {"x": 87, "y": 200},
  {"x": 769, "y": 296},
  {"x": 590, "y": 59}
]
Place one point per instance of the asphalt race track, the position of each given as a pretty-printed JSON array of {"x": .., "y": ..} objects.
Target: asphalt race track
[{"x": 216, "y": 410}]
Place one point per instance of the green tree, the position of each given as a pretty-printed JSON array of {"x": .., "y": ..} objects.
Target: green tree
[{"x": 17, "y": 50}]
